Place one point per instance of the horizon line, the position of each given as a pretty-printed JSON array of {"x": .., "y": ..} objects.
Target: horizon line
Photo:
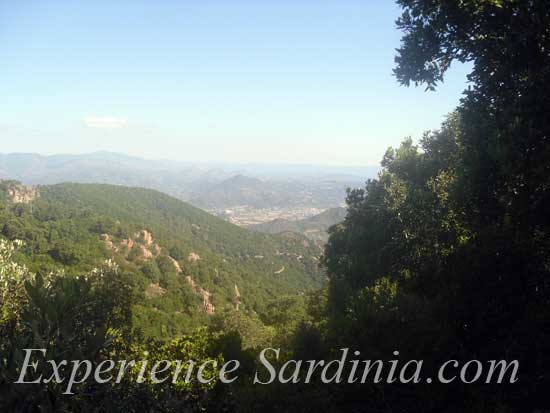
[{"x": 209, "y": 162}]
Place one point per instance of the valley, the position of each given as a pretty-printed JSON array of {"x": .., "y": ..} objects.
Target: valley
[
  {"x": 244, "y": 195},
  {"x": 244, "y": 215}
]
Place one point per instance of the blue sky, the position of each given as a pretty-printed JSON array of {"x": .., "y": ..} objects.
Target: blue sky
[{"x": 237, "y": 81}]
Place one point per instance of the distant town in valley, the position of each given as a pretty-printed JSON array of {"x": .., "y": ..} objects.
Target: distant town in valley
[{"x": 266, "y": 198}]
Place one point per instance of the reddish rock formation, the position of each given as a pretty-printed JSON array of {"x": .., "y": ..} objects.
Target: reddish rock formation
[
  {"x": 144, "y": 253},
  {"x": 156, "y": 250},
  {"x": 193, "y": 257},
  {"x": 237, "y": 298},
  {"x": 204, "y": 294},
  {"x": 207, "y": 304},
  {"x": 176, "y": 264},
  {"x": 145, "y": 236},
  {"x": 127, "y": 243},
  {"x": 19, "y": 193}
]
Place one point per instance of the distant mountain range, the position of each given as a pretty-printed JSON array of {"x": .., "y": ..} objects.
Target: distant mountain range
[
  {"x": 179, "y": 179},
  {"x": 315, "y": 227},
  {"x": 259, "y": 192}
]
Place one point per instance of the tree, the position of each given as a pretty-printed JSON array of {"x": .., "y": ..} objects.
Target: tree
[
  {"x": 448, "y": 250},
  {"x": 506, "y": 126},
  {"x": 35, "y": 310},
  {"x": 502, "y": 174}
]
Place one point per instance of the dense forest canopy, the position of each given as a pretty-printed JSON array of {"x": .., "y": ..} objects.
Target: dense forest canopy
[{"x": 444, "y": 256}]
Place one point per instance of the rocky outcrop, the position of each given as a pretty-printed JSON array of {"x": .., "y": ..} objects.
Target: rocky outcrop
[
  {"x": 176, "y": 264},
  {"x": 204, "y": 294},
  {"x": 22, "y": 194},
  {"x": 144, "y": 236},
  {"x": 190, "y": 281},
  {"x": 207, "y": 304},
  {"x": 142, "y": 247},
  {"x": 193, "y": 257},
  {"x": 154, "y": 290},
  {"x": 144, "y": 254},
  {"x": 280, "y": 271},
  {"x": 237, "y": 298},
  {"x": 127, "y": 243},
  {"x": 106, "y": 238},
  {"x": 157, "y": 250}
]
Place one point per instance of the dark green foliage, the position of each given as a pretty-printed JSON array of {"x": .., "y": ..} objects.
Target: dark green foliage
[
  {"x": 151, "y": 271},
  {"x": 70, "y": 317},
  {"x": 65, "y": 253},
  {"x": 177, "y": 253}
]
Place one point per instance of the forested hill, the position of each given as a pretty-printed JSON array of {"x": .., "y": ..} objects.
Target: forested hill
[{"x": 184, "y": 264}]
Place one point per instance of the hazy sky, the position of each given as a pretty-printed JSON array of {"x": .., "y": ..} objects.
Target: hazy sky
[{"x": 278, "y": 81}]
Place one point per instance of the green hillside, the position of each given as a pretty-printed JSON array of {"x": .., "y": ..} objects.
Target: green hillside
[{"x": 184, "y": 264}]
